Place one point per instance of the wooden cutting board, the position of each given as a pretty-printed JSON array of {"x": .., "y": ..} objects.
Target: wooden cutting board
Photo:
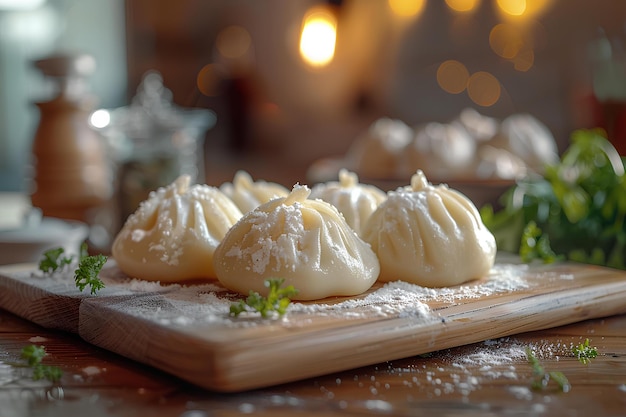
[{"x": 186, "y": 330}]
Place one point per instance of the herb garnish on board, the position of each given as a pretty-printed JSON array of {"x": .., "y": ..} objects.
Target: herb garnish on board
[
  {"x": 277, "y": 300},
  {"x": 86, "y": 273},
  {"x": 576, "y": 210}
]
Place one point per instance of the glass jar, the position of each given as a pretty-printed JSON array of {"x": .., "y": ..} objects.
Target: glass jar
[{"x": 152, "y": 142}]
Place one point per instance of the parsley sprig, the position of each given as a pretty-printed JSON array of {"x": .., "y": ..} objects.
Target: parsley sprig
[
  {"x": 34, "y": 356},
  {"x": 276, "y": 302},
  {"x": 541, "y": 377},
  {"x": 54, "y": 260},
  {"x": 86, "y": 273},
  {"x": 584, "y": 352}
]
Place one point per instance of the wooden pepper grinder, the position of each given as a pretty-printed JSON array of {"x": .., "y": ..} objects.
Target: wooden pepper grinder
[{"x": 71, "y": 169}]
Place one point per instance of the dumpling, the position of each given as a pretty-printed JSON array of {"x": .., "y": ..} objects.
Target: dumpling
[
  {"x": 526, "y": 137},
  {"x": 306, "y": 242},
  {"x": 442, "y": 150},
  {"x": 173, "y": 234},
  {"x": 430, "y": 235},
  {"x": 480, "y": 127},
  {"x": 248, "y": 194},
  {"x": 499, "y": 163},
  {"x": 354, "y": 200},
  {"x": 377, "y": 152}
]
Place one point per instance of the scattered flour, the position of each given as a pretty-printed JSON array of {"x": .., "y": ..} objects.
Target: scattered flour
[
  {"x": 209, "y": 303},
  {"x": 388, "y": 300},
  {"x": 503, "y": 278},
  {"x": 187, "y": 305},
  {"x": 37, "y": 339},
  {"x": 92, "y": 370}
]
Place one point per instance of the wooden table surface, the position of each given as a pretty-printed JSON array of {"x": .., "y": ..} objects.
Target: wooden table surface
[{"x": 487, "y": 378}]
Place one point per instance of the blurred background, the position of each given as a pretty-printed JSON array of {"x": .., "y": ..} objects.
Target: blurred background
[{"x": 286, "y": 92}]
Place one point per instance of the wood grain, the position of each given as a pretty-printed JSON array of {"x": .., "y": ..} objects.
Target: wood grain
[{"x": 193, "y": 338}]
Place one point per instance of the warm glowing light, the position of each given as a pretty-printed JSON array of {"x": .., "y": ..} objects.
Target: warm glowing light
[
  {"x": 233, "y": 42},
  {"x": 483, "y": 89},
  {"x": 208, "y": 80},
  {"x": 512, "y": 7},
  {"x": 318, "y": 38},
  {"x": 452, "y": 76},
  {"x": 463, "y": 5},
  {"x": 524, "y": 60},
  {"x": 100, "y": 118},
  {"x": 522, "y": 8},
  {"x": 534, "y": 7},
  {"x": 506, "y": 40},
  {"x": 407, "y": 8},
  {"x": 515, "y": 43}
]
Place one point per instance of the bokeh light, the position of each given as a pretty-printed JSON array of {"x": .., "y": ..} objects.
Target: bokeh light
[
  {"x": 522, "y": 8},
  {"x": 100, "y": 118},
  {"x": 233, "y": 42},
  {"x": 515, "y": 43},
  {"x": 452, "y": 76},
  {"x": 506, "y": 40},
  {"x": 512, "y": 7},
  {"x": 463, "y": 5},
  {"x": 407, "y": 8},
  {"x": 208, "y": 80},
  {"x": 318, "y": 38},
  {"x": 524, "y": 60},
  {"x": 483, "y": 89}
]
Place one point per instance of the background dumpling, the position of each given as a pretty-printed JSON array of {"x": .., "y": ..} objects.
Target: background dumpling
[
  {"x": 376, "y": 153},
  {"x": 305, "y": 242},
  {"x": 248, "y": 194},
  {"x": 526, "y": 137},
  {"x": 173, "y": 234},
  {"x": 442, "y": 150},
  {"x": 354, "y": 200},
  {"x": 430, "y": 235}
]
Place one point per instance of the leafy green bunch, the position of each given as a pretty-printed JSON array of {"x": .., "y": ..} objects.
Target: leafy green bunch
[{"x": 576, "y": 210}]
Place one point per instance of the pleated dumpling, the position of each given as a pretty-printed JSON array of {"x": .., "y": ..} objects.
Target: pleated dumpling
[
  {"x": 377, "y": 152},
  {"x": 354, "y": 200},
  {"x": 248, "y": 194},
  {"x": 173, "y": 234},
  {"x": 430, "y": 235},
  {"x": 305, "y": 242}
]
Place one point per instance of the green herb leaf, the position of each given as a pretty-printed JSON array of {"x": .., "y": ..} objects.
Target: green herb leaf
[
  {"x": 585, "y": 353},
  {"x": 51, "y": 373},
  {"x": 535, "y": 245},
  {"x": 83, "y": 251},
  {"x": 53, "y": 260},
  {"x": 276, "y": 302},
  {"x": 541, "y": 378},
  {"x": 34, "y": 356},
  {"x": 87, "y": 273}
]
